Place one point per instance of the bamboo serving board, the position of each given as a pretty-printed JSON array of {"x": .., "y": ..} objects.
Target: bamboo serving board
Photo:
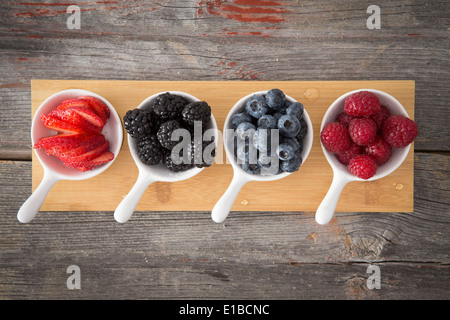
[{"x": 301, "y": 191}]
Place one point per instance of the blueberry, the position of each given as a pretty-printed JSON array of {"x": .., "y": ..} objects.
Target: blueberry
[
  {"x": 278, "y": 115},
  {"x": 293, "y": 164},
  {"x": 270, "y": 165},
  {"x": 251, "y": 168},
  {"x": 246, "y": 152},
  {"x": 295, "y": 109},
  {"x": 285, "y": 151},
  {"x": 288, "y": 125},
  {"x": 303, "y": 130},
  {"x": 275, "y": 99},
  {"x": 256, "y": 106},
  {"x": 262, "y": 139},
  {"x": 267, "y": 121},
  {"x": 245, "y": 130},
  {"x": 291, "y": 141},
  {"x": 264, "y": 160},
  {"x": 238, "y": 118}
]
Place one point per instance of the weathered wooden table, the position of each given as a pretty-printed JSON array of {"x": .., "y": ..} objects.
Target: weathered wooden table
[{"x": 260, "y": 255}]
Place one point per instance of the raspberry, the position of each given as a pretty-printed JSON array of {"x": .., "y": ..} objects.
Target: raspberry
[
  {"x": 344, "y": 118},
  {"x": 362, "y": 130},
  {"x": 350, "y": 153},
  {"x": 379, "y": 150},
  {"x": 399, "y": 131},
  {"x": 362, "y": 103},
  {"x": 380, "y": 117},
  {"x": 363, "y": 166},
  {"x": 335, "y": 137}
]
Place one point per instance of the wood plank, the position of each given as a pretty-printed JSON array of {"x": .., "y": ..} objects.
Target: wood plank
[
  {"x": 393, "y": 193},
  {"x": 318, "y": 41},
  {"x": 267, "y": 255}
]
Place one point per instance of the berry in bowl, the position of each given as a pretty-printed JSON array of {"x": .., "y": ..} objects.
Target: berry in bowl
[
  {"x": 365, "y": 135},
  {"x": 76, "y": 135},
  {"x": 267, "y": 136},
  {"x": 172, "y": 137}
]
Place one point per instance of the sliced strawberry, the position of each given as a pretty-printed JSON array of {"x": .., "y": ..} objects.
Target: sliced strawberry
[
  {"x": 94, "y": 153},
  {"x": 74, "y": 102},
  {"x": 91, "y": 164},
  {"x": 59, "y": 125},
  {"x": 75, "y": 116},
  {"x": 98, "y": 106},
  {"x": 60, "y": 139},
  {"x": 88, "y": 115},
  {"x": 61, "y": 149},
  {"x": 86, "y": 145}
]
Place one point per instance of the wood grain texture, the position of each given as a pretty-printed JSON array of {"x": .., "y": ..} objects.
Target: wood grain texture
[
  {"x": 301, "y": 191},
  {"x": 261, "y": 255}
]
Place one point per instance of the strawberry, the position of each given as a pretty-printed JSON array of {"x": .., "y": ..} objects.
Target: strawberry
[
  {"x": 59, "y": 125},
  {"x": 81, "y": 117},
  {"x": 71, "y": 140},
  {"x": 85, "y": 145},
  {"x": 89, "y": 116},
  {"x": 89, "y": 155},
  {"x": 79, "y": 142},
  {"x": 74, "y": 102},
  {"x": 98, "y": 106},
  {"x": 91, "y": 164}
]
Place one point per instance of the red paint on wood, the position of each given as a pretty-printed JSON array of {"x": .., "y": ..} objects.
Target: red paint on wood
[
  {"x": 257, "y": 3},
  {"x": 245, "y": 10}
]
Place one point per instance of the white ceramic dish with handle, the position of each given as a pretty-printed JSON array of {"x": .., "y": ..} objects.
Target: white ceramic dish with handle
[
  {"x": 341, "y": 173},
  {"x": 152, "y": 173},
  {"x": 240, "y": 177},
  {"x": 54, "y": 169}
]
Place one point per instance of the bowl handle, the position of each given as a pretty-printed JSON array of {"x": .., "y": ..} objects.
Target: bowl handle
[
  {"x": 33, "y": 204},
  {"x": 223, "y": 206},
  {"x": 326, "y": 209},
  {"x": 126, "y": 207}
]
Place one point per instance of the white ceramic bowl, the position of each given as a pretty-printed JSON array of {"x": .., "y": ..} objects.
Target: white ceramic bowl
[
  {"x": 152, "y": 173},
  {"x": 240, "y": 178},
  {"x": 54, "y": 169},
  {"x": 341, "y": 173}
]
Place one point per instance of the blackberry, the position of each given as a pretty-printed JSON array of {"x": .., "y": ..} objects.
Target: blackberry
[
  {"x": 168, "y": 162},
  {"x": 165, "y": 131},
  {"x": 203, "y": 153},
  {"x": 149, "y": 150},
  {"x": 138, "y": 123},
  {"x": 168, "y": 106},
  {"x": 196, "y": 111}
]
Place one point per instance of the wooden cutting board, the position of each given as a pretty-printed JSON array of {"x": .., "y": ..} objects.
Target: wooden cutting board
[{"x": 301, "y": 191}]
